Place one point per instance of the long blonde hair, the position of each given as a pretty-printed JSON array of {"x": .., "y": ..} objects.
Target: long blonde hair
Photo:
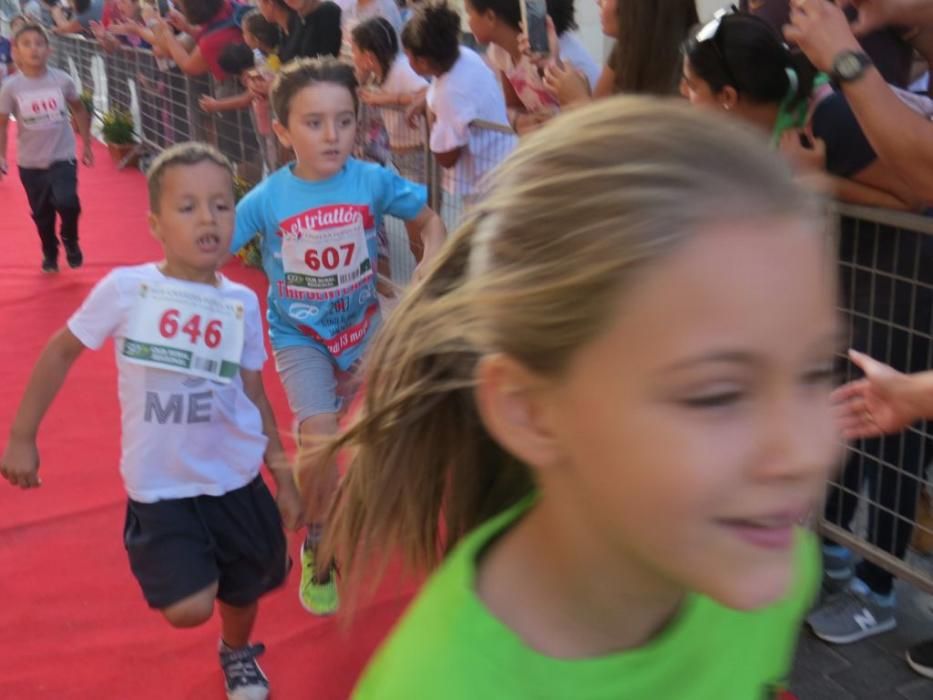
[{"x": 535, "y": 273}]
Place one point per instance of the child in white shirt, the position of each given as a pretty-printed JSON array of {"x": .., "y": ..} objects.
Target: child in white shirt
[
  {"x": 196, "y": 425},
  {"x": 463, "y": 90}
]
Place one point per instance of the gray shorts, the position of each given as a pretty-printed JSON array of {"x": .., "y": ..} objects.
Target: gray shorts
[{"x": 313, "y": 383}]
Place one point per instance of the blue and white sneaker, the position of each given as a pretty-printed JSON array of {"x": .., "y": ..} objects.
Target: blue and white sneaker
[{"x": 853, "y": 614}]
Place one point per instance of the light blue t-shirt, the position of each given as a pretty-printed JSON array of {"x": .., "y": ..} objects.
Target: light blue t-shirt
[{"x": 319, "y": 251}]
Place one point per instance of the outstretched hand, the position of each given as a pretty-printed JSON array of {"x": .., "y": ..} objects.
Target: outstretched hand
[{"x": 876, "y": 405}]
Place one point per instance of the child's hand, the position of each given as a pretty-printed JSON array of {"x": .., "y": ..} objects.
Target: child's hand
[
  {"x": 20, "y": 464},
  {"x": 124, "y": 28},
  {"x": 415, "y": 111},
  {"x": 88, "y": 157},
  {"x": 258, "y": 85},
  {"x": 879, "y": 404},
  {"x": 289, "y": 503},
  {"x": 286, "y": 492},
  {"x": 567, "y": 84},
  {"x": 97, "y": 29},
  {"x": 374, "y": 97},
  {"x": 209, "y": 104},
  {"x": 177, "y": 20}
]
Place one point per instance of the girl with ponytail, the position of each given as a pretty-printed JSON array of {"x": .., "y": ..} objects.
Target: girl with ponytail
[
  {"x": 739, "y": 64},
  {"x": 604, "y": 413}
]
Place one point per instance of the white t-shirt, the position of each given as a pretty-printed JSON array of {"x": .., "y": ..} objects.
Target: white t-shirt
[
  {"x": 353, "y": 13},
  {"x": 183, "y": 436},
  {"x": 402, "y": 80},
  {"x": 466, "y": 93}
]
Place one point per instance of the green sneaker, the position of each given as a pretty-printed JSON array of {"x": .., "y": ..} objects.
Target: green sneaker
[{"x": 317, "y": 598}]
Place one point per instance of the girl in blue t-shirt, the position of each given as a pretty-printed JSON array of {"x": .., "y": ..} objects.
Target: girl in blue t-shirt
[{"x": 317, "y": 219}]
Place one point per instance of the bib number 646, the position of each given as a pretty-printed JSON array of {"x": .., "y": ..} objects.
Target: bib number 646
[{"x": 169, "y": 326}]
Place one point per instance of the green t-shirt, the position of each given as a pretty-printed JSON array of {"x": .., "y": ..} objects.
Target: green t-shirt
[{"x": 448, "y": 646}]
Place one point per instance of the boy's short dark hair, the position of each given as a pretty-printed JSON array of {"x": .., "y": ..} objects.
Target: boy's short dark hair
[
  {"x": 235, "y": 59},
  {"x": 305, "y": 72},
  {"x": 31, "y": 27},
  {"x": 189, "y": 153}
]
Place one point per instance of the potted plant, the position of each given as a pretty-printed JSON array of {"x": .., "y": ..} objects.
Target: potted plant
[{"x": 118, "y": 132}]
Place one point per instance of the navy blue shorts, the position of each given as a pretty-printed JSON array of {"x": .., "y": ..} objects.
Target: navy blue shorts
[{"x": 181, "y": 546}]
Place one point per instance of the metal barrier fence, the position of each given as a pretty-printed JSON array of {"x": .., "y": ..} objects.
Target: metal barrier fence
[
  {"x": 886, "y": 276},
  {"x": 886, "y": 265},
  {"x": 164, "y": 104}
]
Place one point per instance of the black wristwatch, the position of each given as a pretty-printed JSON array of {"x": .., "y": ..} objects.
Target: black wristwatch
[{"x": 849, "y": 66}]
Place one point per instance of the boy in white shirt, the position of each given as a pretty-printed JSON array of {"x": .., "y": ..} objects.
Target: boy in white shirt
[{"x": 200, "y": 523}]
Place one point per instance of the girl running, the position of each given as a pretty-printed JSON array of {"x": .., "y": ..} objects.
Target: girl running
[{"x": 618, "y": 400}]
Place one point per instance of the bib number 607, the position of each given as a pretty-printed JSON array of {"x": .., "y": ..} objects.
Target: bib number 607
[
  {"x": 169, "y": 328},
  {"x": 329, "y": 258}
]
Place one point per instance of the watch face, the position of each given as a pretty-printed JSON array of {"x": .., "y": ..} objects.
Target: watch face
[{"x": 849, "y": 66}]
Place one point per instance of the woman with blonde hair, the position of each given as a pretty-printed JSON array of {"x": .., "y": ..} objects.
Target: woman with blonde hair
[{"x": 606, "y": 412}]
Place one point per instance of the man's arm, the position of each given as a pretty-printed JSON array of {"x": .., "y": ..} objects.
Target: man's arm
[{"x": 902, "y": 138}]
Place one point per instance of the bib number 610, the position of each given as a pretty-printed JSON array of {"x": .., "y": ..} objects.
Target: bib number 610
[{"x": 169, "y": 328}]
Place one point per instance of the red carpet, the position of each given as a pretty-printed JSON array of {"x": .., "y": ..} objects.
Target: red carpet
[{"x": 73, "y": 623}]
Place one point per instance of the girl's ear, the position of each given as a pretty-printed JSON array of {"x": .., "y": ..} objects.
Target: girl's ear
[
  {"x": 513, "y": 404},
  {"x": 281, "y": 133},
  {"x": 728, "y": 98}
]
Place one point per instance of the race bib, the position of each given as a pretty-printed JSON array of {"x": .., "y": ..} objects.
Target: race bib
[
  {"x": 185, "y": 330},
  {"x": 331, "y": 262},
  {"x": 42, "y": 109}
]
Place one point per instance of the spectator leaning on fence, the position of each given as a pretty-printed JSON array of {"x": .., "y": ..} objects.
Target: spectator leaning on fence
[
  {"x": 646, "y": 57},
  {"x": 498, "y": 24},
  {"x": 463, "y": 90},
  {"x": 84, "y": 12},
  {"x": 902, "y": 138},
  {"x": 240, "y": 61},
  {"x": 213, "y": 26},
  {"x": 127, "y": 27},
  {"x": 388, "y": 82},
  {"x": 888, "y": 46},
  {"x": 739, "y": 66},
  {"x": 313, "y": 31}
]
